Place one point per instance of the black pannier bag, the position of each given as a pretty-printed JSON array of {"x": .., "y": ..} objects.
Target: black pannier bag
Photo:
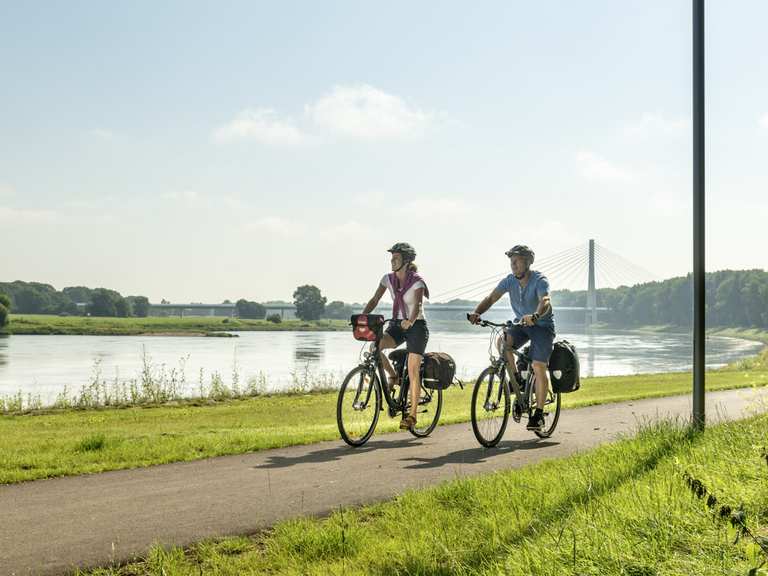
[
  {"x": 439, "y": 370},
  {"x": 564, "y": 368}
]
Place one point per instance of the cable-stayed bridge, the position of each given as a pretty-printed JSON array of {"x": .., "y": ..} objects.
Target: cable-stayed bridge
[{"x": 585, "y": 267}]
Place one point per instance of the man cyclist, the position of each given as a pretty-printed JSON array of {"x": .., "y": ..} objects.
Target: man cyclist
[{"x": 529, "y": 296}]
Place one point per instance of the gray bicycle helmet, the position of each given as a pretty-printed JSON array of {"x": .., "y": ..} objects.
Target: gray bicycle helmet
[
  {"x": 521, "y": 250},
  {"x": 408, "y": 252}
]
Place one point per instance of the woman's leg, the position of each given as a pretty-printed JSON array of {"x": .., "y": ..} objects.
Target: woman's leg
[
  {"x": 414, "y": 376},
  {"x": 387, "y": 343}
]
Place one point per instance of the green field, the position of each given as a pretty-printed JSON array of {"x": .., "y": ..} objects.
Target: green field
[
  {"x": 43, "y": 444},
  {"x": 627, "y": 508},
  {"x": 172, "y": 325}
]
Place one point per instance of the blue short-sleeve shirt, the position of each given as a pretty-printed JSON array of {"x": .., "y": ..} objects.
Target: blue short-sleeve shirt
[{"x": 526, "y": 300}]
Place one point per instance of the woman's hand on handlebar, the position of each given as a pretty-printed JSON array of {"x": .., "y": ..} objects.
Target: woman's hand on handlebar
[{"x": 473, "y": 318}]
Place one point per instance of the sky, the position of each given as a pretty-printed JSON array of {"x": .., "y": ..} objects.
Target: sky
[{"x": 199, "y": 151}]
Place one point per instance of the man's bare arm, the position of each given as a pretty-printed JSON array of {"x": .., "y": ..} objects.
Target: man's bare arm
[{"x": 485, "y": 305}]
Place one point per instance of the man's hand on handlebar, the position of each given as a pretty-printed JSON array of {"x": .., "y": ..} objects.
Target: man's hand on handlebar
[{"x": 473, "y": 318}]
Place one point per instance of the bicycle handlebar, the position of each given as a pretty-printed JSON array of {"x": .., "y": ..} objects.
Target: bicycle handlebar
[{"x": 486, "y": 323}]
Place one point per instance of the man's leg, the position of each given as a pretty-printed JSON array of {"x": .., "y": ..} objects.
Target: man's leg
[
  {"x": 542, "y": 382},
  {"x": 541, "y": 349},
  {"x": 508, "y": 343}
]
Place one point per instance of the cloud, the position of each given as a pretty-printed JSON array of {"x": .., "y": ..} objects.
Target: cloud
[
  {"x": 274, "y": 225},
  {"x": 181, "y": 196},
  {"x": 6, "y": 190},
  {"x": 595, "y": 167},
  {"x": 363, "y": 112},
  {"x": 21, "y": 216},
  {"x": 764, "y": 120},
  {"x": 442, "y": 206},
  {"x": 349, "y": 230},
  {"x": 101, "y": 134},
  {"x": 652, "y": 124},
  {"x": 261, "y": 125}
]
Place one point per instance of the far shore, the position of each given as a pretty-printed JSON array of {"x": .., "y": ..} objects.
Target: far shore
[{"x": 41, "y": 324}]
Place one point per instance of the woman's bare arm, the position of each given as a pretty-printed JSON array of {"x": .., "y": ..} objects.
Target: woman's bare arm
[{"x": 371, "y": 306}]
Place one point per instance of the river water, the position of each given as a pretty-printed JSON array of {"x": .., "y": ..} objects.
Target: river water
[{"x": 44, "y": 365}]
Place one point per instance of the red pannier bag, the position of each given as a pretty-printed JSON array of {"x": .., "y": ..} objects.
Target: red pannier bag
[{"x": 367, "y": 327}]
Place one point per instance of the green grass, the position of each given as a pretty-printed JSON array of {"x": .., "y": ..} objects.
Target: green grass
[
  {"x": 622, "y": 509},
  {"x": 43, "y": 444},
  {"x": 193, "y": 326}
]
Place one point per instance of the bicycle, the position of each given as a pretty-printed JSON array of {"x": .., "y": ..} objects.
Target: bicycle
[
  {"x": 360, "y": 395},
  {"x": 491, "y": 395}
]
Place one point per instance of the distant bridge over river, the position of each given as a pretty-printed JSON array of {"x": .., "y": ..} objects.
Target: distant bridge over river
[{"x": 593, "y": 262}]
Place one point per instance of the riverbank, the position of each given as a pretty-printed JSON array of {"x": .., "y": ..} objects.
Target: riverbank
[
  {"x": 45, "y": 443},
  {"x": 40, "y": 324}
]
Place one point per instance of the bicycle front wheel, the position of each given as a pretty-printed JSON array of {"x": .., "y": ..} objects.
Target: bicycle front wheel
[
  {"x": 357, "y": 409},
  {"x": 490, "y": 406},
  {"x": 428, "y": 413},
  {"x": 551, "y": 410}
]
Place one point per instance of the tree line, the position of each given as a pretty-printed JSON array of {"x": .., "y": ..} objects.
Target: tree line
[
  {"x": 37, "y": 298},
  {"x": 733, "y": 298}
]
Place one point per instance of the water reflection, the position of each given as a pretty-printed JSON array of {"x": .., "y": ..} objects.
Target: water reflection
[
  {"x": 308, "y": 348},
  {"x": 4, "y": 341}
]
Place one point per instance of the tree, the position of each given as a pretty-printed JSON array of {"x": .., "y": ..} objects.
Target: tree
[
  {"x": 338, "y": 310},
  {"x": 5, "y": 307},
  {"x": 251, "y": 310},
  {"x": 122, "y": 307},
  {"x": 101, "y": 303},
  {"x": 140, "y": 306},
  {"x": 78, "y": 294},
  {"x": 30, "y": 301},
  {"x": 310, "y": 303}
]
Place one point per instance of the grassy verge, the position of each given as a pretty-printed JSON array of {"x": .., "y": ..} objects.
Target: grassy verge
[
  {"x": 625, "y": 508},
  {"x": 192, "y": 326},
  {"x": 43, "y": 444}
]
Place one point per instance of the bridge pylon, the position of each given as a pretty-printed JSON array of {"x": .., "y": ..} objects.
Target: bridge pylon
[{"x": 591, "y": 290}]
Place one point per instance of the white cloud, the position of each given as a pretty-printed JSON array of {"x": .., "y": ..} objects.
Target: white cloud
[
  {"x": 262, "y": 125},
  {"x": 366, "y": 113},
  {"x": 764, "y": 120},
  {"x": 274, "y": 225},
  {"x": 181, "y": 196},
  {"x": 6, "y": 191},
  {"x": 101, "y": 134},
  {"x": 441, "y": 206},
  {"x": 595, "y": 167},
  {"x": 21, "y": 216},
  {"x": 349, "y": 230},
  {"x": 652, "y": 124}
]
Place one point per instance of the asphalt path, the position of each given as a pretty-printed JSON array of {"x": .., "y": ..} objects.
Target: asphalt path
[{"x": 54, "y": 526}]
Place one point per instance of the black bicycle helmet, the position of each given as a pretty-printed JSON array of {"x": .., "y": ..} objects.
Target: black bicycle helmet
[
  {"x": 521, "y": 250},
  {"x": 408, "y": 252}
]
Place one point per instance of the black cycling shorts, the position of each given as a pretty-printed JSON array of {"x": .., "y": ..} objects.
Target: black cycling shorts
[{"x": 415, "y": 338}]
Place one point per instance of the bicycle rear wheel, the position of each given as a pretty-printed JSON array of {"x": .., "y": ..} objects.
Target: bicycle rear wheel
[
  {"x": 428, "y": 413},
  {"x": 490, "y": 406},
  {"x": 551, "y": 410},
  {"x": 357, "y": 408}
]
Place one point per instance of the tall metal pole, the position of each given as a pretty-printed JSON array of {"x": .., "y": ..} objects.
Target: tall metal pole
[{"x": 699, "y": 287}]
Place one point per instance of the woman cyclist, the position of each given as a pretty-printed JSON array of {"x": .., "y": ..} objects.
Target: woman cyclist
[{"x": 407, "y": 290}]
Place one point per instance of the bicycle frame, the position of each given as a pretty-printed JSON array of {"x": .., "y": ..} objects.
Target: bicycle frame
[
  {"x": 372, "y": 361},
  {"x": 500, "y": 364}
]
